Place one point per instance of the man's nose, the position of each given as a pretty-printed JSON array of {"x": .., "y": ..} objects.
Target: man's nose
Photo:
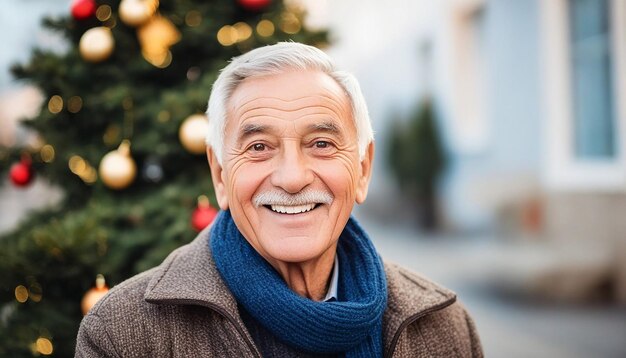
[{"x": 292, "y": 173}]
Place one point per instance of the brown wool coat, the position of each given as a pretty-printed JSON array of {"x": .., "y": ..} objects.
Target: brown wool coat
[{"x": 182, "y": 308}]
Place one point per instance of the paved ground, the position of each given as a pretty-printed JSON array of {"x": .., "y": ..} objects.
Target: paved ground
[{"x": 509, "y": 327}]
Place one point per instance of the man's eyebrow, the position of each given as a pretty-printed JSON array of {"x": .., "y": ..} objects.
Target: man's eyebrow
[
  {"x": 251, "y": 129},
  {"x": 329, "y": 127}
]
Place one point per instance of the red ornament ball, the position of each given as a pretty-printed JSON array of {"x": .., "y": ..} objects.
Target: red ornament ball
[
  {"x": 202, "y": 217},
  {"x": 83, "y": 9},
  {"x": 21, "y": 173},
  {"x": 254, "y": 5}
]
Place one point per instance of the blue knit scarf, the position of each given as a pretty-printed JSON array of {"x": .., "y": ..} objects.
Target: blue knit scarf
[{"x": 353, "y": 324}]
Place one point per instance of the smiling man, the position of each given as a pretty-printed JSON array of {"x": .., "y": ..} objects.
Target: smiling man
[{"x": 284, "y": 271}]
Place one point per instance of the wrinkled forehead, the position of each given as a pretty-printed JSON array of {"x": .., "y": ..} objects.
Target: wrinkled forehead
[{"x": 288, "y": 92}]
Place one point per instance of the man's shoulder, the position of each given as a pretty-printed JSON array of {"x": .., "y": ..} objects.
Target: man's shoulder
[
  {"x": 129, "y": 294},
  {"x": 105, "y": 329},
  {"x": 401, "y": 280},
  {"x": 123, "y": 322},
  {"x": 160, "y": 311},
  {"x": 411, "y": 296},
  {"x": 426, "y": 309}
]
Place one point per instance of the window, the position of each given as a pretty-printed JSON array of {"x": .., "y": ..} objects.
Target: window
[
  {"x": 584, "y": 80},
  {"x": 591, "y": 80}
]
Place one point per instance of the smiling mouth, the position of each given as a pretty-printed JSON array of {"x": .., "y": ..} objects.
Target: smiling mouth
[{"x": 292, "y": 209}]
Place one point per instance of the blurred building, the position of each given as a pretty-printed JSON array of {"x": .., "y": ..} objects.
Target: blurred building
[
  {"x": 533, "y": 103},
  {"x": 534, "y": 109}
]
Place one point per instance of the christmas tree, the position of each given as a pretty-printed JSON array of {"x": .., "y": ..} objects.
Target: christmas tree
[{"x": 121, "y": 132}]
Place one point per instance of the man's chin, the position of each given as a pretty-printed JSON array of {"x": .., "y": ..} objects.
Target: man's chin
[{"x": 292, "y": 248}]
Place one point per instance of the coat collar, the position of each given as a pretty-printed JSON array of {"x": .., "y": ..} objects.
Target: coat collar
[
  {"x": 189, "y": 276},
  {"x": 410, "y": 297}
]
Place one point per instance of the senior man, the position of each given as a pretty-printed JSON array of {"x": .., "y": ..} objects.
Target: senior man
[{"x": 284, "y": 271}]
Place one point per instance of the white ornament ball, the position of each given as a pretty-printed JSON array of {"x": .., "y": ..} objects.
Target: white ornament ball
[
  {"x": 193, "y": 132},
  {"x": 96, "y": 44},
  {"x": 117, "y": 169},
  {"x": 135, "y": 12}
]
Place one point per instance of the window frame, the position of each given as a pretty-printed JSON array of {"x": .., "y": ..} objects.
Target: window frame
[{"x": 563, "y": 169}]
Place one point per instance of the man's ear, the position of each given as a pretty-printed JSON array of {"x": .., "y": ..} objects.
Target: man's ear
[
  {"x": 366, "y": 173},
  {"x": 218, "y": 181}
]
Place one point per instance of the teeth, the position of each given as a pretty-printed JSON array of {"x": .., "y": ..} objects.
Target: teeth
[{"x": 284, "y": 209}]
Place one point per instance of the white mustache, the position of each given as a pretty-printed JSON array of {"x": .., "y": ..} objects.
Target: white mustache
[{"x": 279, "y": 197}]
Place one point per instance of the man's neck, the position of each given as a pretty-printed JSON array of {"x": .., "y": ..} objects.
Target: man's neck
[{"x": 308, "y": 279}]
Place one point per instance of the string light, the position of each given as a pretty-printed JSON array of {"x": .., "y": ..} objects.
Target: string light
[
  {"x": 55, "y": 104},
  {"x": 290, "y": 23},
  {"x": 193, "y": 18},
  {"x": 77, "y": 164},
  {"x": 44, "y": 346},
  {"x": 21, "y": 294},
  {"x": 227, "y": 35},
  {"x": 193, "y": 73},
  {"x": 232, "y": 34},
  {"x": 244, "y": 31},
  {"x": 265, "y": 28},
  {"x": 83, "y": 169},
  {"x": 47, "y": 153},
  {"x": 74, "y": 104},
  {"x": 35, "y": 293},
  {"x": 103, "y": 13}
]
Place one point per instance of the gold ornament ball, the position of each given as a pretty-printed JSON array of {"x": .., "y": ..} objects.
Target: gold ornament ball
[
  {"x": 96, "y": 44},
  {"x": 94, "y": 294},
  {"x": 192, "y": 133},
  {"x": 135, "y": 12},
  {"x": 118, "y": 169}
]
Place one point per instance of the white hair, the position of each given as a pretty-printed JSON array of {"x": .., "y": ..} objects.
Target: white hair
[{"x": 273, "y": 60}]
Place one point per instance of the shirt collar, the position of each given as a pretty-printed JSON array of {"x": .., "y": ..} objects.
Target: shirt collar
[{"x": 331, "y": 294}]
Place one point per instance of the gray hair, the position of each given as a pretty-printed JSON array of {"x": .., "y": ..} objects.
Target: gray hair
[{"x": 273, "y": 60}]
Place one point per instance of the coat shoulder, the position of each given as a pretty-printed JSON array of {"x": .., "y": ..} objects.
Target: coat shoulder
[
  {"x": 426, "y": 319},
  {"x": 448, "y": 332},
  {"x": 120, "y": 318},
  {"x": 406, "y": 280}
]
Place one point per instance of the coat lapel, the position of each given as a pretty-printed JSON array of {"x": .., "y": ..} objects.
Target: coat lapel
[
  {"x": 410, "y": 297},
  {"x": 189, "y": 275}
]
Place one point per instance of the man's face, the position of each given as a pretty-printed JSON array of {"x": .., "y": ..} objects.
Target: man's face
[{"x": 291, "y": 171}]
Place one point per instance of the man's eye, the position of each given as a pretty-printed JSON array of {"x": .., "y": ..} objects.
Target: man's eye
[
  {"x": 258, "y": 147},
  {"x": 321, "y": 144}
]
